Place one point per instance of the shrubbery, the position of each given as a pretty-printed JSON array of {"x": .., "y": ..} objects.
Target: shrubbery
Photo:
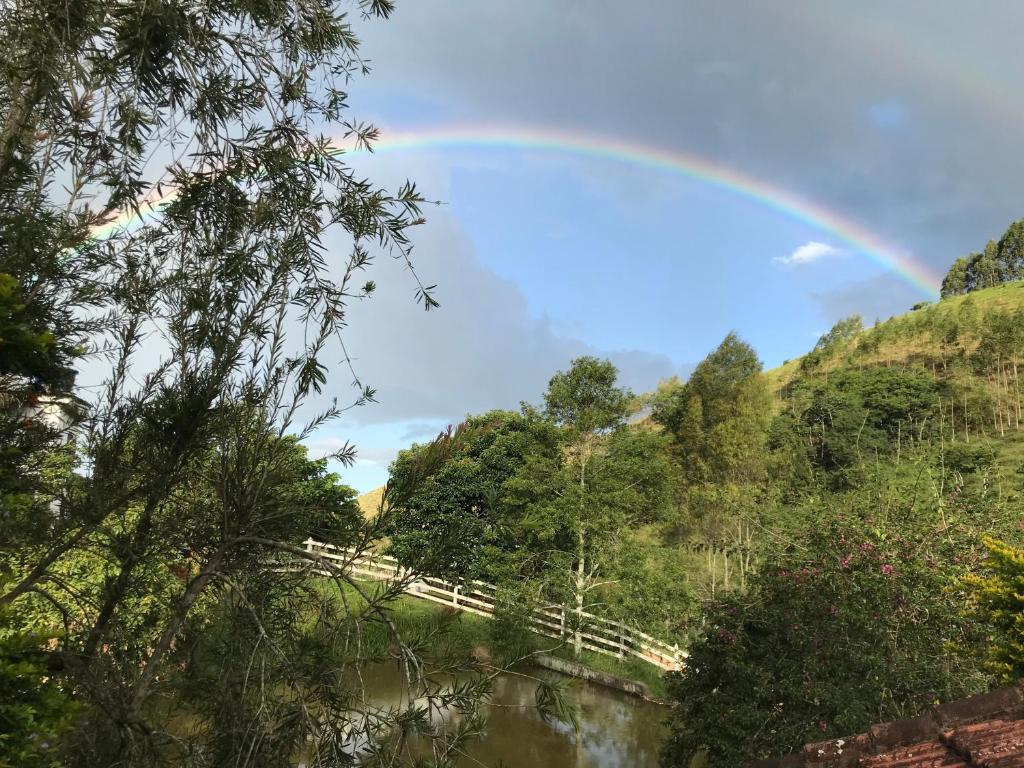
[{"x": 843, "y": 629}]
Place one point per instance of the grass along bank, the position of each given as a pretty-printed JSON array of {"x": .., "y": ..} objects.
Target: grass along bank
[{"x": 441, "y": 632}]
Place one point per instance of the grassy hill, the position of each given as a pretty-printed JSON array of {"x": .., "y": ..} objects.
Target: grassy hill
[
  {"x": 920, "y": 336},
  {"x": 972, "y": 344},
  {"x": 369, "y": 502}
]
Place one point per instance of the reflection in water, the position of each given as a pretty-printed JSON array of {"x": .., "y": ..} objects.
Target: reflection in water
[{"x": 618, "y": 731}]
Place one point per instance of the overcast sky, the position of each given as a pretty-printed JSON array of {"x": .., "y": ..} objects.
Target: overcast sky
[{"x": 903, "y": 118}]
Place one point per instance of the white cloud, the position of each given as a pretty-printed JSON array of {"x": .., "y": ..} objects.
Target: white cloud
[{"x": 807, "y": 253}]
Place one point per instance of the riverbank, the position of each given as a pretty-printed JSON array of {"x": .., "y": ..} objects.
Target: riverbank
[{"x": 472, "y": 635}]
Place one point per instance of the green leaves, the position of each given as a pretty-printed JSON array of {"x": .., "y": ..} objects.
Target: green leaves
[
  {"x": 34, "y": 710},
  {"x": 169, "y": 205},
  {"x": 999, "y": 263},
  {"x": 585, "y": 399},
  {"x": 719, "y": 418},
  {"x": 554, "y": 702},
  {"x": 997, "y": 597},
  {"x": 848, "y": 627}
]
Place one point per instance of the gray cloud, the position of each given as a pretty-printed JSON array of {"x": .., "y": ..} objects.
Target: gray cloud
[
  {"x": 872, "y": 299},
  {"x": 484, "y": 349},
  {"x": 422, "y": 430},
  {"x": 903, "y": 117}
]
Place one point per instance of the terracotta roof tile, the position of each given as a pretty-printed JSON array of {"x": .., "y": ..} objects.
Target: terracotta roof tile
[
  {"x": 991, "y": 744},
  {"x": 984, "y": 731},
  {"x": 925, "y": 754}
]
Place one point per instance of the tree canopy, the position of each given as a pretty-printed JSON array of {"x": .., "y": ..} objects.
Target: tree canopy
[{"x": 1000, "y": 262}]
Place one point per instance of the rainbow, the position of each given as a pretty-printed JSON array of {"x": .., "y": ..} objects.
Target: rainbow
[{"x": 662, "y": 160}]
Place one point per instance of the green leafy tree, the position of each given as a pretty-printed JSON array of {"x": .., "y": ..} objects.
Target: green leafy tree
[
  {"x": 720, "y": 417},
  {"x": 452, "y": 526},
  {"x": 34, "y": 710},
  {"x": 213, "y": 325},
  {"x": 1010, "y": 252},
  {"x": 719, "y": 424},
  {"x": 957, "y": 279},
  {"x": 837, "y": 339},
  {"x": 572, "y": 508},
  {"x": 1000, "y": 262},
  {"x": 985, "y": 270}
]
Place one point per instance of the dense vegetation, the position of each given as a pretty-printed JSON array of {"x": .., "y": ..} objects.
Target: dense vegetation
[
  {"x": 1000, "y": 262},
  {"x": 555, "y": 504},
  {"x": 814, "y": 533},
  {"x": 155, "y": 607},
  {"x": 836, "y": 542}
]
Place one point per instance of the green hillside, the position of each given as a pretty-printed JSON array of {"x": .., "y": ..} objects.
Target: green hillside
[
  {"x": 972, "y": 345},
  {"x": 930, "y": 335}
]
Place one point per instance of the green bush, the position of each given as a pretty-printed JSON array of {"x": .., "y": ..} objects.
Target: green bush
[
  {"x": 998, "y": 599},
  {"x": 842, "y": 630}
]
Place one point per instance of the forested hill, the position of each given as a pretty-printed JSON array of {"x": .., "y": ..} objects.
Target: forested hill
[
  {"x": 975, "y": 331},
  {"x": 893, "y": 449},
  {"x": 951, "y": 371},
  {"x": 973, "y": 344}
]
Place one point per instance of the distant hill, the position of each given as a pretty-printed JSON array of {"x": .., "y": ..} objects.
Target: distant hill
[
  {"x": 369, "y": 502},
  {"x": 953, "y": 338}
]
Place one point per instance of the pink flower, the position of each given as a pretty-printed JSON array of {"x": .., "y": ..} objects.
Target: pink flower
[
  {"x": 887, "y": 569},
  {"x": 844, "y": 563}
]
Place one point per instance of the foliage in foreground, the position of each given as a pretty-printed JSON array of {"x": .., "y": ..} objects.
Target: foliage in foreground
[
  {"x": 998, "y": 597},
  {"x": 146, "y": 520},
  {"x": 34, "y": 710},
  {"x": 851, "y": 625}
]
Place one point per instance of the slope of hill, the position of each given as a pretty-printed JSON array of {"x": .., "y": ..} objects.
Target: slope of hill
[
  {"x": 935, "y": 334},
  {"x": 972, "y": 345},
  {"x": 369, "y": 502}
]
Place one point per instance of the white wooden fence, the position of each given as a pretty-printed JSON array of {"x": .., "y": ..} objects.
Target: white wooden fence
[{"x": 597, "y": 633}]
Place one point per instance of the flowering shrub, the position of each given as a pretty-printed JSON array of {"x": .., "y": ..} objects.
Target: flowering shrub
[
  {"x": 844, "y": 629},
  {"x": 998, "y": 598}
]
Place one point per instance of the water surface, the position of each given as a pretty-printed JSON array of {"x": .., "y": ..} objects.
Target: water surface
[{"x": 617, "y": 730}]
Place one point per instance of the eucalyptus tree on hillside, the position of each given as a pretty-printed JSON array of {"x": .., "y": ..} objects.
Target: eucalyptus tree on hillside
[{"x": 719, "y": 422}]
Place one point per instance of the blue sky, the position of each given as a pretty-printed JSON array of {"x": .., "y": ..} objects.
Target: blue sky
[{"x": 542, "y": 256}]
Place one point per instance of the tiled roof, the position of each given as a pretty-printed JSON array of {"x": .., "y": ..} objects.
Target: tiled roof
[{"x": 984, "y": 731}]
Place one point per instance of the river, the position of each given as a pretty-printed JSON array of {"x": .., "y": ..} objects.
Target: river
[{"x": 617, "y": 730}]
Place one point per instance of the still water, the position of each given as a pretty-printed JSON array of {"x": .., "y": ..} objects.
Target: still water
[{"x": 618, "y": 731}]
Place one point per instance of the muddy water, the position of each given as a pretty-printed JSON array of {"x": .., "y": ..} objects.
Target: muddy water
[{"x": 617, "y": 731}]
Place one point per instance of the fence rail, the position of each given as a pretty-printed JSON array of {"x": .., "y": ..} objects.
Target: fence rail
[{"x": 597, "y": 633}]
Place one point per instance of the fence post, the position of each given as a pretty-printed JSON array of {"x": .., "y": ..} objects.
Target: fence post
[
  {"x": 455, "y": 596},
  {"x": 622, "y": 642},
  {"x": 561, "y": 623}
]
